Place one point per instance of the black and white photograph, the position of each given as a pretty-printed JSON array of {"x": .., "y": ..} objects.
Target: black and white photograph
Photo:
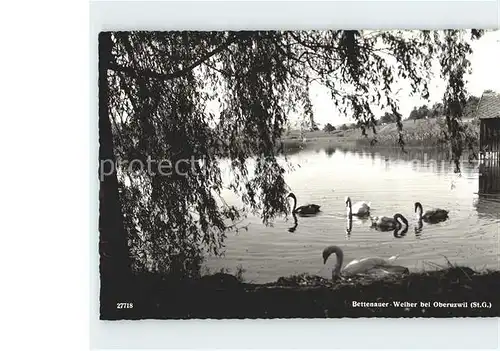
[{"x": 298, "y": 174}]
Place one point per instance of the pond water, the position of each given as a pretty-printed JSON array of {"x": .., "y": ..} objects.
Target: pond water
[{"x": 392, "y": 181}]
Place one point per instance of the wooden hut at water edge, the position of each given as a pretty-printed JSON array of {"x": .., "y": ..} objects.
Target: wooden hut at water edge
[{"x": 488, "y": 113}]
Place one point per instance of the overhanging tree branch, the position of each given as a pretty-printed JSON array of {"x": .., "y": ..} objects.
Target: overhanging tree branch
[{"x": 177, "y": 74}]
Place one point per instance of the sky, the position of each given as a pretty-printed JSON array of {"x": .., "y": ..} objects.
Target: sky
[{"x": 485, "y": 64}]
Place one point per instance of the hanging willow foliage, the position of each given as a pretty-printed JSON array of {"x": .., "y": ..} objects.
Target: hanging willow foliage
[{"x": 160, "y": 87}]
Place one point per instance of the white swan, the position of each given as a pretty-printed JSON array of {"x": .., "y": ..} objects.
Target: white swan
[
  {"x": 360, "y": 209},
  {"x": 369, "y": 265}
]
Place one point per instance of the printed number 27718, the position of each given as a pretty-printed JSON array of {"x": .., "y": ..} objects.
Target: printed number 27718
[{"x": 121, "y": 305}]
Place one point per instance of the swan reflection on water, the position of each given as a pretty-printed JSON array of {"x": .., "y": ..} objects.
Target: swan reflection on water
[
  {"x": 295, "y": 223},
  {"x": 350, "y": 221},
  {"x": 348, "y": 227},
  {"x": 418, "y": 228},
  {"x": 400, "y": 234}
]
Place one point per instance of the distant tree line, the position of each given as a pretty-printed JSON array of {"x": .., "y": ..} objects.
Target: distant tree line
[
  {"x": 424, "y": 111},
  {"x": 436, "y": 110},
  {"x": 328, "y": 128}
]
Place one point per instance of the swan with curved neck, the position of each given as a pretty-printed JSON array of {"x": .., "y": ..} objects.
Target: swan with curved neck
[
  {"x": 359, "y": 209},
  {"x": 431, "y": 216},
  {"x": 367, "y": 265},
  {"x": 386, "y": 224},
  {"x": 303, "y": 210}
]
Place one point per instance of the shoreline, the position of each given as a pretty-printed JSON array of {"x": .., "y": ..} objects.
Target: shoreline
[
  {"x": 221, "y": 295},
  {"x": 425, "y": 133}
]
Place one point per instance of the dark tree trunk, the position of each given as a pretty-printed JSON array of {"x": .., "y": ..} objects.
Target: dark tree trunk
[
  {"x": 114, "y": 267},
  {"x": 313, "y": 124}
]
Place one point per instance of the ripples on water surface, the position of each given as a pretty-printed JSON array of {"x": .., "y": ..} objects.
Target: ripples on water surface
[{"x": 392, "y": 182}]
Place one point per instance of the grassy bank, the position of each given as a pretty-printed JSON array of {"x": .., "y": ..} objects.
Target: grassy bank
[
  {"x": 416, "y": 133},
  {"x": 225, "y": 296}
]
